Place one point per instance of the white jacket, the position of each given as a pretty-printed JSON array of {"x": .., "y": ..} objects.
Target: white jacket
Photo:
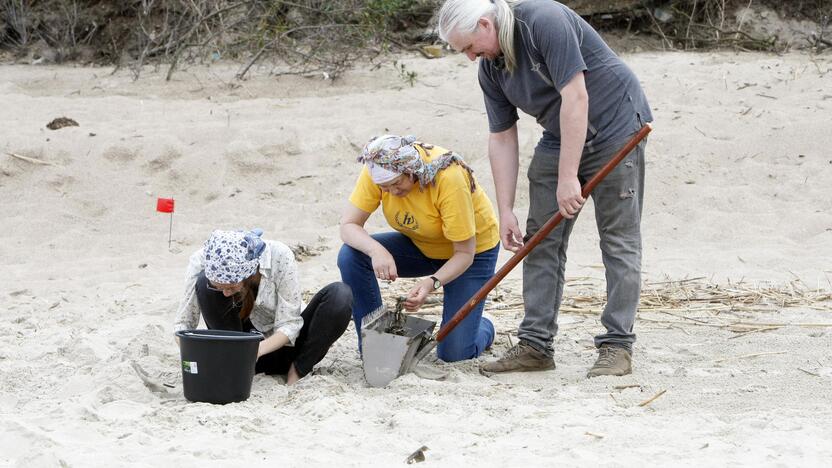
[{"x": 278, "y": 305}]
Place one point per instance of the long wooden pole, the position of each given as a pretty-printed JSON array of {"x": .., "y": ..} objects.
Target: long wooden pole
[{"x": 528, "y": 246}]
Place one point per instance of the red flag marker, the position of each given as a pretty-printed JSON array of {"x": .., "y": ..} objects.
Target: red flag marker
[{"x": 165, "y": 205}]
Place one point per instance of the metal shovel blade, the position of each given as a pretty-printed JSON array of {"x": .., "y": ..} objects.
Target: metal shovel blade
[{"x": 387, "y": 355}]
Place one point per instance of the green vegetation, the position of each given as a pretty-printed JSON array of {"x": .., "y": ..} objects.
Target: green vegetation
[{"x": 327, "y": 36}]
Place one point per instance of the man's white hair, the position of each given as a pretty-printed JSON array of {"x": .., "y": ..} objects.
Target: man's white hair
[{"x": 461, "y": 16}]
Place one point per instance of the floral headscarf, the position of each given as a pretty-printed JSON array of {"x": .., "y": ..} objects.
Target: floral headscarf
[
  {"x": 396, "y": 154},
  {"x": 232, "y": 256}
]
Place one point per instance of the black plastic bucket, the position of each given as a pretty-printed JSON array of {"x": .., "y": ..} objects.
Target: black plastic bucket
[{"x": 217, "y": 365}]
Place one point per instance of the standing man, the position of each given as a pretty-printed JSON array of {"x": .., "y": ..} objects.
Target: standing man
[{"x": 541, "y": 57}]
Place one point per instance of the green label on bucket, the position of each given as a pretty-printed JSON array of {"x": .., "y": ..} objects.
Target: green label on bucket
[{"x": 190, "y": 367}]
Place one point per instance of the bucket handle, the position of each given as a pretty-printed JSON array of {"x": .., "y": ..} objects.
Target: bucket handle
[{"x": 196, "y": 334}]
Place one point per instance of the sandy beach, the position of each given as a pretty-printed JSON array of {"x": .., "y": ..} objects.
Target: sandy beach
[{"x": 739, "y": 170}]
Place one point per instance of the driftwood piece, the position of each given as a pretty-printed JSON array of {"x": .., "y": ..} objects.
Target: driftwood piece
[
  {"x": 744, "y": 356},
  {"x": 31, "y": 160},
  {"x": 651, "y": 400}
]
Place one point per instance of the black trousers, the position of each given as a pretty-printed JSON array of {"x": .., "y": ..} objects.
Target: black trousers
[{"x": 324, "y": 321}]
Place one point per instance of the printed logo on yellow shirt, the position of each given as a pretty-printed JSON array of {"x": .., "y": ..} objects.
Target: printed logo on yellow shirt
[{"x": 407, "y": 221}]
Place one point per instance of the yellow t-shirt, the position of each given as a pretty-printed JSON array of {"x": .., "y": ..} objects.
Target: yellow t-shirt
[{"x": 437, "y": 215}]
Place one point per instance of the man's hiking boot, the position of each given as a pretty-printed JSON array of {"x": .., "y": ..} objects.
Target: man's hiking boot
[
  {"x": 522, "y": 357},
  {"x": 612, "y": 360}
]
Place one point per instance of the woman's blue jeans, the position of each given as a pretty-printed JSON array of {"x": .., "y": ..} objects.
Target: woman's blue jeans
[{"x": 470, "y": 337}]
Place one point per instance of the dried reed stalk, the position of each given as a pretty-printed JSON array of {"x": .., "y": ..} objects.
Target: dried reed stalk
[
  {"x": 654, "y": 398},
  {"x": 690, "y": 301}
]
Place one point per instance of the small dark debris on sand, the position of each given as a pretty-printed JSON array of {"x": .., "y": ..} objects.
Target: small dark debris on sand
[{"x": 61, "y": 122}]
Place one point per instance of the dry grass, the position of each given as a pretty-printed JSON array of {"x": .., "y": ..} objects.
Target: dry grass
[
  {"x": 698, "y": 295},
  {"x": 736, "y": 306}
]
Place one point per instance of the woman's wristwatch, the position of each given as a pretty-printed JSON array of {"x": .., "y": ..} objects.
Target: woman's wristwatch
[{"x": 436, "y": 283}]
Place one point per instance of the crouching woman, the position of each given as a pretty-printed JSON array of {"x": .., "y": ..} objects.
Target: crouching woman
[
  {"x": 445, "y": 231},
  {"x": 241, "y": 282}
]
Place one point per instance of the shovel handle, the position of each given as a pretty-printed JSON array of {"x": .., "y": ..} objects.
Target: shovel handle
[{"x": 538, "y": 236}]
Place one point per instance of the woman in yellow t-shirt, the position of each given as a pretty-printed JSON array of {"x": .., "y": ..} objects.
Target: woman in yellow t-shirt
[{"x": 445, "y": 231}]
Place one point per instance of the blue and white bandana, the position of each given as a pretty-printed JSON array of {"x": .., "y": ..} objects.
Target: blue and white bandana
[{"x": 232, "y": 256}]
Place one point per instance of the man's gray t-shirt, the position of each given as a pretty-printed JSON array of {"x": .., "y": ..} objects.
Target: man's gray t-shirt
[{"x": 552, "y": 45}]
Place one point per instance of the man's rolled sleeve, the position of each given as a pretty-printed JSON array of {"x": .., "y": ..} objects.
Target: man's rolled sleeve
[{"x": 502, "y": 114}]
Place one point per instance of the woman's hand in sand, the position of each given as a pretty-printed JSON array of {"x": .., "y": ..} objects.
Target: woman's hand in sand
[
  {"x": 384, "y": 265},
  {"x": 272, "y": 343},
  {"x": 417, "y": 296}
]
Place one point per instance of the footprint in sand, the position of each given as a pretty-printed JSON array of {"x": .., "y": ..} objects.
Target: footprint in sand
[
  {"x": 61, "y": 183},
  {"x": 120, "y": 154},
  {"x": 163, "y": 162},
  {"x": 92, "y": 209},
  {"x": 266, "y": 159},
  {"x": 251, "y": 163}
]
